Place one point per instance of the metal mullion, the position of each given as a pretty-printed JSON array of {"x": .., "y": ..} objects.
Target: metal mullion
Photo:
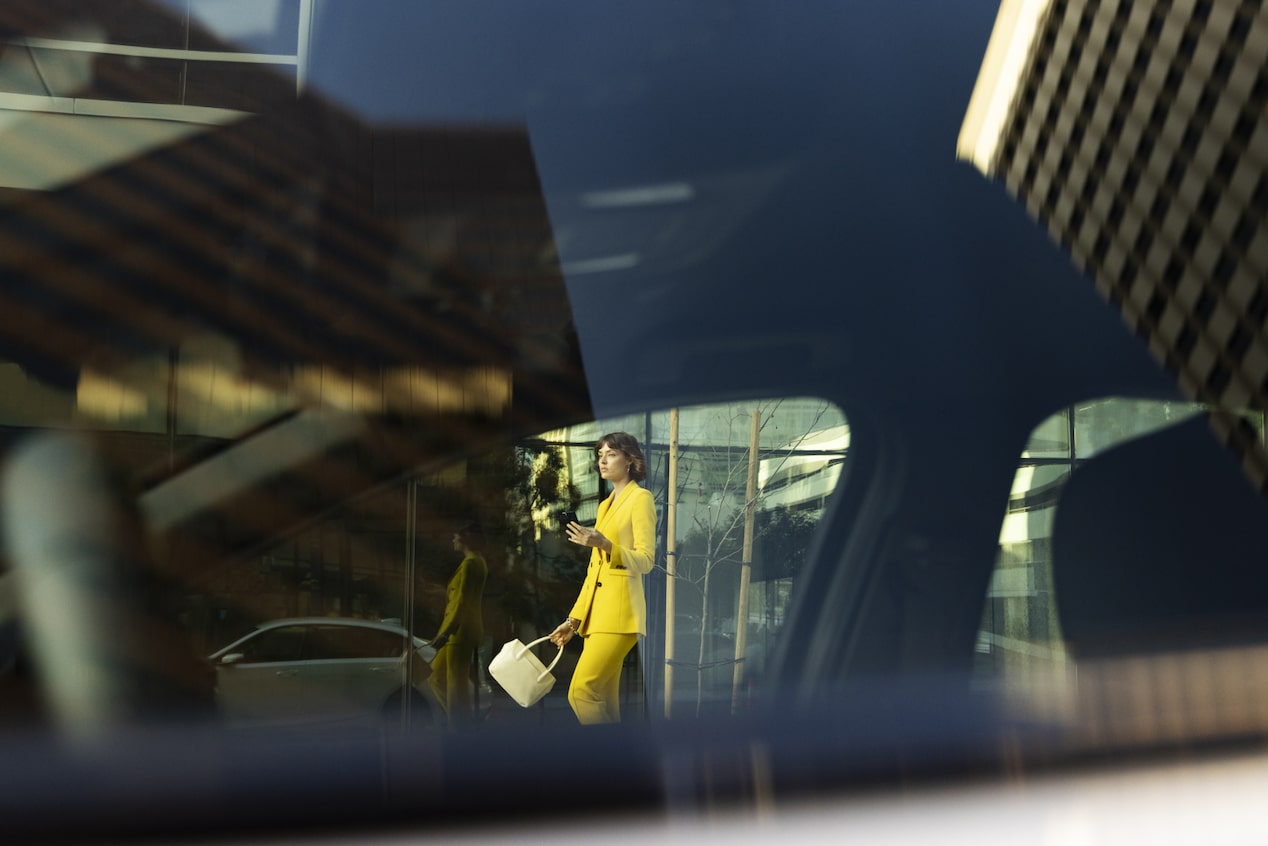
[
  {"x": 302, "y": 45},
  {"x": 37, "y": 43}
]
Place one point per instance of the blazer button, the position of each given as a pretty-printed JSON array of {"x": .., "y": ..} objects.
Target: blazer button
[{"x": 598, "y": 584}]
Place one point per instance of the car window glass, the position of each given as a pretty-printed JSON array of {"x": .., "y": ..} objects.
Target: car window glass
[
  {"x": 219, "y": 331},
  {"x": 284, "y": 644},
  {"x": 751, "y": 483},
  {"x": 347, "y": 642},
  {"x": 1020, "y": 638},
  {"x": 312, "y": 313},
  {"x": 745, "y": 521}
]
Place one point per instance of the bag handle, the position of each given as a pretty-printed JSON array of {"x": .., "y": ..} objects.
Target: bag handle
[{"x": 529, "y": 646}]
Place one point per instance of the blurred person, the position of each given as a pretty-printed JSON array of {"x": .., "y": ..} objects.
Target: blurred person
[
  {"x": 95, "y": 616},
  {"x": 461, "y": 630},
  {"x": 610, "y": 612}
]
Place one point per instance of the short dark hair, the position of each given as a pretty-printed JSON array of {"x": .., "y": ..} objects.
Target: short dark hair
[
  {"x": 469, "y": 533},
  {"x": 628, "y": 444}
]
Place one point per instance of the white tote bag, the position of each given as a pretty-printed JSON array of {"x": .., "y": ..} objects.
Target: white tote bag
[{"x": 520, "y": 672}]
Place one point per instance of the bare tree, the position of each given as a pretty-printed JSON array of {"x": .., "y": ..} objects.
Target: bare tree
[{"x": 718, "y": 473}]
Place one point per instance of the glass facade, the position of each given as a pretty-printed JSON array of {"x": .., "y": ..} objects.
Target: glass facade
[
  {"x": 736, "y": 551},
  {"x": 1020, "y": 644},
  {"x": 387, "y": 557},
  {"x": 205, "y": 53}
]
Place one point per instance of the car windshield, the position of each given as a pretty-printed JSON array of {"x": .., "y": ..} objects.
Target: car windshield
[{"x": 813, "y": 396}]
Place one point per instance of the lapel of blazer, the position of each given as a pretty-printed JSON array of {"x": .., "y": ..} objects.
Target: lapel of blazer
[{"x": 609, "y": 507}]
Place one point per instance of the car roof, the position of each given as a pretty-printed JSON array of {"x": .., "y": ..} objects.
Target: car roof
[
  {"x": 347, "y": 622},
  {"x": 329, "y": 621}
]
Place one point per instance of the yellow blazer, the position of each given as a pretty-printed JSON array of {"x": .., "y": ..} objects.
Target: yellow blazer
[
  {"x": 464, "y": 615},
  {"x": 611, "y": 598}
]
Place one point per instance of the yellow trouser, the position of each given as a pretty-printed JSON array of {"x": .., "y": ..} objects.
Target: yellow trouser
[
  {"x": 450, "y": 680},
  {"x": 595, "y": 692}
]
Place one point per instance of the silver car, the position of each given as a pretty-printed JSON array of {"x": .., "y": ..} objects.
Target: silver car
[{"x": 323, "y": 669}]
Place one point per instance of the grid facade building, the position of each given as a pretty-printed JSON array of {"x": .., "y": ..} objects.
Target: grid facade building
[{"x": 1138, "y": 136}]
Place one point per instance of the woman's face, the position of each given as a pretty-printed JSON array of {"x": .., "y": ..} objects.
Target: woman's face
[{"x": 614, "y": 465}]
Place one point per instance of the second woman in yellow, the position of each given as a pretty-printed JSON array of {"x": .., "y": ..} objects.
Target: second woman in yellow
[
  {"x": 461, "y": 631},
  {"x": 611, "y": 612}
]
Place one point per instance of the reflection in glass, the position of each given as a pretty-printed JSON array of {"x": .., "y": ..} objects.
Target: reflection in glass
[
  {"x": 1020, "y": 641},
  {"x": 727, "y": 560},
  {"x": 389, "y": 556}
]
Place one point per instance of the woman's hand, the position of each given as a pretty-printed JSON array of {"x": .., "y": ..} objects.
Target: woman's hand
[
  {"x": 562, "y": 634},
  {"x": 585, "y": 536}
]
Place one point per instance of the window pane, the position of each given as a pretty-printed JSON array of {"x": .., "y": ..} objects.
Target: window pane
[
  {"x": 133, "y": 79},
  {"x": 350, "y": 642},
  {"x": 154, "y": 53},
  {"x": 257, "y": 26},
  {"x": 140, "y": 23},
  {"x": 1020, "y": 638},
  {"x": 277, "y": 645},
  {"x": 229, "y": 85},
  {"x": 732, "y": 570},
  {"x": 730, "y": 563}
]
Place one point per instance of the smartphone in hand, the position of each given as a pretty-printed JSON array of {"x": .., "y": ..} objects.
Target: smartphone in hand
[{"x": 566, "y": 517}]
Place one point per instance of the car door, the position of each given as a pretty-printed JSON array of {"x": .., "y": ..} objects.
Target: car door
[
  {"x": 266, "y": 681},
  {"x": 347, "y": 671},
  {"x": 311, "y": 672}
]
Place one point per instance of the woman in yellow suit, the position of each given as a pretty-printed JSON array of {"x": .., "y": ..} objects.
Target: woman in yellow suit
[
  {"x": 461, "y": 631},
  {"x": 610, "y": 612}
]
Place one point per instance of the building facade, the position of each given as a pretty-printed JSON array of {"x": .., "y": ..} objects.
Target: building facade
[{"x": 1136, "y": 133}]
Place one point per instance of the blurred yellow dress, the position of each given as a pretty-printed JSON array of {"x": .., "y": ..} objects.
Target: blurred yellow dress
[{"x": 464, "y": 624}]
